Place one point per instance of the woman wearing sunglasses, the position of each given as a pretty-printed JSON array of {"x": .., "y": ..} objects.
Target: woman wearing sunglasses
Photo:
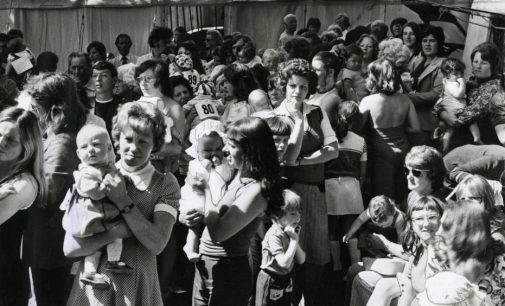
[{"x": 424, "y": 169}]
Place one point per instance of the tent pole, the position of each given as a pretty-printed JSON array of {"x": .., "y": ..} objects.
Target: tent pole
[
  {"x": 171, "y": 24},
  {"x": 184, "y": 16},
  {"x": 215, "y": 17},
  {"x": 177, "y": 15},
  {"x": 190, "y": 18}
]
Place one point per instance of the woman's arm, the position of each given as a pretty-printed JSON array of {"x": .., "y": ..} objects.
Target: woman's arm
[
  {"x": 295, "y": 139},
  {"x": 326, "y": 153},
  {"x": 329, "y": 150},
  {"x": 247, "y": 206},
  {"x": 413, "y": 125},
  {"x": 19, "y": 195},
  {"x": 153, "y": 235}
]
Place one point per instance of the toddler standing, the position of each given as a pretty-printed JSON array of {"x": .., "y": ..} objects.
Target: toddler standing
[{"x": 280, "y": 249}]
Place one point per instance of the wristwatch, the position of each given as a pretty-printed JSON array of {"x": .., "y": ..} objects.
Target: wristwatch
[{"x": 127, "y": 209}]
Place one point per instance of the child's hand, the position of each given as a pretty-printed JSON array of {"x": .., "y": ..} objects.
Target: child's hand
[
  {"x": 291, "y": 232},
  {"x": 346, "y": 238}
]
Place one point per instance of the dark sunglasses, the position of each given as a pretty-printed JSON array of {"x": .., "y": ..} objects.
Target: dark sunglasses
[{"x": 415, "y": 172}]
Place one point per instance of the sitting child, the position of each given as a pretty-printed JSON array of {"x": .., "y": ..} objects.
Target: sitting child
[
  {"x": 208, "y": 168},
  {"x": 453, "y": 98},
  {"x": 383, "y": 213},
  {"x": 184, "y": 66},
  {"x": 89, "y": 211},
  {"x": 280, "y": 249},
  {"x": 352, "y": 82}
]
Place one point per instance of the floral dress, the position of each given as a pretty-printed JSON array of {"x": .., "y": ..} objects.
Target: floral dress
[{"x": 493, "y": 283}]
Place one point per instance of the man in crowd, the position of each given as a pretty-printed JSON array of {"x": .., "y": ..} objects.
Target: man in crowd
[
  {"x": 159, "y": 40},
  {"x": 79, "y": 65},
  {"x": 290, "y": 23},
  {"x": 106, "y": 103},
  {"x": 123, "y": 45}
]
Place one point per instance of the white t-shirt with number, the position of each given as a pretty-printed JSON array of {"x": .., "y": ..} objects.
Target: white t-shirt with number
[{"x": 192, "y": 76}]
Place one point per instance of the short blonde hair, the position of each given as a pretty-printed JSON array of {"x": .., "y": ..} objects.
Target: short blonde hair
[
  {"x": 140, "y": 117},
  {"x": 395, "y": 51}
]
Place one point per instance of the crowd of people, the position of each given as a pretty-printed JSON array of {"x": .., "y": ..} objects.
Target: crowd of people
[{"x": 356, "y": 160}]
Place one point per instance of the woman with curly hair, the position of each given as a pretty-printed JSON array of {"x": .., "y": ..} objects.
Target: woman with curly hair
[
  {"x": 238, "y": 83},
  {"x": 223, "y": 275},
  {"x": 311, "y": 144},
  {"x": 390, "y": 114}
]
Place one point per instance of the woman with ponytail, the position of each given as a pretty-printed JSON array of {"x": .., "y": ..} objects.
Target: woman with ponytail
[
  {"x": 343, "y": 179},
  {"x": 223, "y": 275},
  {"x": 390, "y": 115}
]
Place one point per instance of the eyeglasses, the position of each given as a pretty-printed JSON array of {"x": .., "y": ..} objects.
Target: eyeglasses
[
  {"x": 470, "y": 198},
  {"x": 147, "y": 79},
  {"x": 430, "y": 219},
  {"x": 415, "y": 172}
]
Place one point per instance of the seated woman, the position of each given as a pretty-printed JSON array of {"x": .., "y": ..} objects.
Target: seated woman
[
  {"x": 149, "y": 216},
  {"x": 423, "y": 220},
  {"x": 22, "y": 184},
  {"x": 476, "y": 187},
  {"x": 473, "y": 259}
]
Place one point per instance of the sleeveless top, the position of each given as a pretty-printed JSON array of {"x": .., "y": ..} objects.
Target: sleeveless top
[
  {"x": 313, "y": 140},
  {"x": 238, "y": 244},
  {"x": 352, "y": 151}
]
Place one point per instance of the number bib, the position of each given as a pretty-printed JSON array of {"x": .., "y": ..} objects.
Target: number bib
[{"x": 206, "y": 109}]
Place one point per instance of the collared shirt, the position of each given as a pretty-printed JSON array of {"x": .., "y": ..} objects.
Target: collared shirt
[
  {"x": 118, "y": 60},
  {"x": 328, "y": 133}
]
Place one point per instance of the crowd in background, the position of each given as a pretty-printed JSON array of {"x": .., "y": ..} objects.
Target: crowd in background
[{"x": 354, "y": 165}]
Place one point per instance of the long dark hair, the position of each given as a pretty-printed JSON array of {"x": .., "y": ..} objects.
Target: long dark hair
[
  {"x": 260, "y": 161},
  {"x": 32, "y": 157},
  {"x": 58, "y": 96}
]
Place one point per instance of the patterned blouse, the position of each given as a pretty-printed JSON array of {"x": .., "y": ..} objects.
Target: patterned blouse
[{"x": 480, "y": 104}]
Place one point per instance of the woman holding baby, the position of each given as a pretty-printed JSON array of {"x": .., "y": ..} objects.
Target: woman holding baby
[
  {"x": 147, "y": 201},
  {"x": 223, "y": 275}
]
